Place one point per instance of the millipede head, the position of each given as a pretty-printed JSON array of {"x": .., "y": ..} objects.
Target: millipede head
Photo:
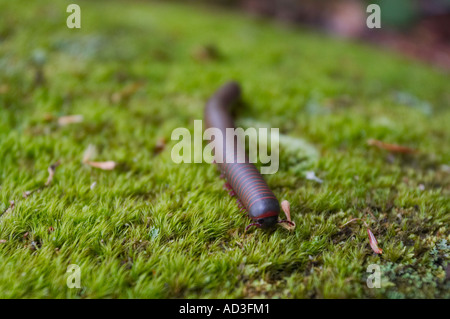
[
  {"x": 267, "y": 222},
  {"x": 265, "y": 212}
]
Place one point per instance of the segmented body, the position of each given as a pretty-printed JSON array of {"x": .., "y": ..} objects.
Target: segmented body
[{"x": 244, "y": 179}]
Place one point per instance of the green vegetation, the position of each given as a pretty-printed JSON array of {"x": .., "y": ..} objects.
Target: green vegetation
[{"x": 151, "y": 228}]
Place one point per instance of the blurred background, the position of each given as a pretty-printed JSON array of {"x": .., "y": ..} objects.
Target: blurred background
[{"x": 416, "y": 28}]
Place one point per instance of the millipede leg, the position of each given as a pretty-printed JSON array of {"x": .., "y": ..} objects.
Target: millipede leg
[
  {"x": 230, "y": 190},
  {"x": 286, "y": 222},
  {"x": 258, "y": 225},
  {"x": 240, "y": 205}
]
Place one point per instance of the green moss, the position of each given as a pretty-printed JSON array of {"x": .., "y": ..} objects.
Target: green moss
[{"x": 151, "y": 228}]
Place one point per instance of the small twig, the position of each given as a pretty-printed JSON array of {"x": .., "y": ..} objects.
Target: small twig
[
  {"x": 350, "y": 221},
  {"x": 372, "y": 240},
  {"x": 11, "y": 206},
  {"x": 367, "y": 211},
  {"x": 26, "y": 194}
]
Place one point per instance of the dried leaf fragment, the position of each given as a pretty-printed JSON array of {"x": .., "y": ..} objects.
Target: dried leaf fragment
[
  {"x": 126, "y": 92},
  {"x": 312, "y": 177},
  {"x": 26, "y": 194},
  {"x": 51, "y": 173},
  {"x": 89, "y": 153},
  {"x": 289, "y": 224},
  {"x": 70, "y": 119},
  {"x": 160, "y": 145},
  {"x": 4, "y": 88},
  {"x": 207, "y": 53},
  {"x": 373, "y": 242},
  {"x": 47, "y": 117},
  {"x": 107, "y": 166},
  {"x": 286, "y": 209},
  {"x": 394, "y": 148}
]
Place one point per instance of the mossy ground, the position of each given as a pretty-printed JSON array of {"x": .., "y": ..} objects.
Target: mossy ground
[{"x": 152, "y": 228}]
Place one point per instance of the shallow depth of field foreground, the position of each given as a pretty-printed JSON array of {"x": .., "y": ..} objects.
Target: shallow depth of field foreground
[{"x": 145, "y": 227}]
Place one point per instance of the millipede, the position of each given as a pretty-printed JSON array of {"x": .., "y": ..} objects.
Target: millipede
[{"x": 243, "y": 179}]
